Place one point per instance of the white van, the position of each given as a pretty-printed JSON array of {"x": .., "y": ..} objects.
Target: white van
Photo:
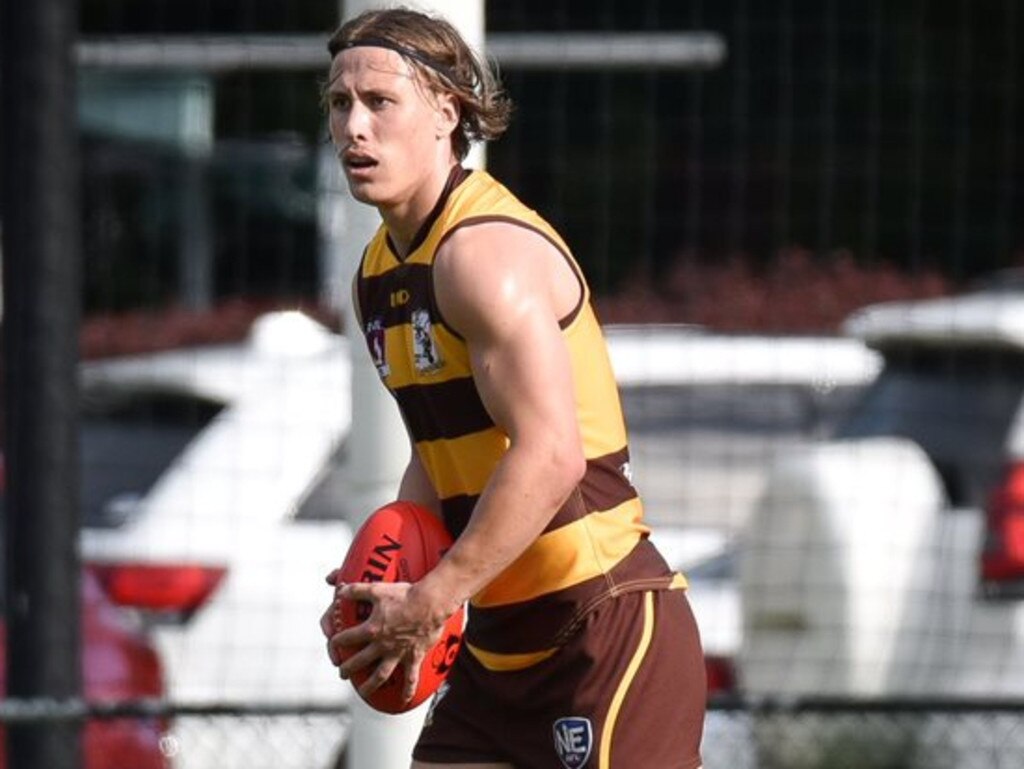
[{"x": 889, "y": 559}]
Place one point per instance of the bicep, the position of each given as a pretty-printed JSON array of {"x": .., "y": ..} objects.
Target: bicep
[
  {"x": 524, "y": 378},
  {"x": 504, "y": 304}
]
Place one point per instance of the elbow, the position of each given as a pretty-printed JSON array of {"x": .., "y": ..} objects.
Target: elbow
[
  {"x": 570, "y": 466},
  {"x": 552, "y": 467},
  {"x": 579, "y": 468}
]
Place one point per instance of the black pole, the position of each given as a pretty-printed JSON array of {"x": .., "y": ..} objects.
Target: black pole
[{"x": 41, "y": 275}]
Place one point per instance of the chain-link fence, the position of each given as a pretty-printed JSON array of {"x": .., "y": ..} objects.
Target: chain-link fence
[
  {"x": 151, "y": 734},
  {"x": 739, "y": 734},
  {"x": 729, "y": 167},
  {"x": 843, "y": 733}
]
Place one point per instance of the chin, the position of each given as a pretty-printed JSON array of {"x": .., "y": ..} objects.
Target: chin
[
  {"x": 362, "y": 195},
  {"x": 365, "y": 193}
]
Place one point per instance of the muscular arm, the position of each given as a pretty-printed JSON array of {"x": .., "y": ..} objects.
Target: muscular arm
[{"x": 503, "y": 288}]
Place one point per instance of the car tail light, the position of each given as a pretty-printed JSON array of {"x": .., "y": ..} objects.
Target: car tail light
[
  {"x": 180, "y": 588},
  {"x": 721, "y": 675},
  {"x": 1002, "y": 558}
]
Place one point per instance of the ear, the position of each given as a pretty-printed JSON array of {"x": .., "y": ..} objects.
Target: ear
[{"x": 446, "y": 115}]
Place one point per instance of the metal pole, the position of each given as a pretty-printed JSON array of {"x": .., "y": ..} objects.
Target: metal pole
[
  {"x": 40, "y": 352},
  {"x": 195, "y": 249}
]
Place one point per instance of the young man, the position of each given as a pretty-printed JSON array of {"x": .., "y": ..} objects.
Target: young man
[{"x": 580, "y": 645}]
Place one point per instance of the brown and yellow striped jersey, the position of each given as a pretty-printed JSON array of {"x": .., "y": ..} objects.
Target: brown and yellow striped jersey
[{"x": 596, "y": 545}]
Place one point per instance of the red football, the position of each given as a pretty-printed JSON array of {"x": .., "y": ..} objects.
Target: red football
[{"x": 399, "y": 542}]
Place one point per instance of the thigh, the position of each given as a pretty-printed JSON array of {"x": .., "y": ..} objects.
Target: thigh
[
  {"x": 658, "y": 709},
  {"x": 628, "y": 686}
]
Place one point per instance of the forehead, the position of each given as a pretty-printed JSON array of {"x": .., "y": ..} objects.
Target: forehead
[{"x": 367, "y": 66}]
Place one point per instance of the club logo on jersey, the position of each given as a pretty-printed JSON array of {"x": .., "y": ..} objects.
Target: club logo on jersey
[
  {"x": 375, "y": 342},
  {"x": 425, "y": 355},
  {"x": 574, "y": 738}
]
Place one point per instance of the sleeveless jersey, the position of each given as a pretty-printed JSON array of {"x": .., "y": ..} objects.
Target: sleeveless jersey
[{"x": 596, "y": 545}]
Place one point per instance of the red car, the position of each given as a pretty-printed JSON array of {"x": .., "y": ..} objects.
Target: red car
[{"x": 118, "y": 663}]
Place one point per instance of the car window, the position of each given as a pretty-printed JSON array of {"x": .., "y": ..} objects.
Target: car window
[
  {"x": 127, "y": 440},
  {"x": 327, "y": 498},
  {"x": 699, "y": 452},
  {"x": 720, "y": 567},
  {"x": 957, "y": 404},
  {"x": 737, "y": 407}
]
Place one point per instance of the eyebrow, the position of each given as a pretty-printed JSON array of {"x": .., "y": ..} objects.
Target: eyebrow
[{"x": 333, "y": 88}]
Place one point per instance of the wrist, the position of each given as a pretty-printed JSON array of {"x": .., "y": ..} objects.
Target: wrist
[{"x": 437, "y": 599}]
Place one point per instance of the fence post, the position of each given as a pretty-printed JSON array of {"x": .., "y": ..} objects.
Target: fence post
[{"x": 40, "y": 352}]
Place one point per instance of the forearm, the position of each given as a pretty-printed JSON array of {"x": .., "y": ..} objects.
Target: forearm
[{"x": 525, "y": 491}]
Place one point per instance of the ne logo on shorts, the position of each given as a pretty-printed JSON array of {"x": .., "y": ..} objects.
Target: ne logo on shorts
[{"x": 573, "y": 740}]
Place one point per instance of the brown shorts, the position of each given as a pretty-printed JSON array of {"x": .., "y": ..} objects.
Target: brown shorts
[{"x": 627, "y": 690}]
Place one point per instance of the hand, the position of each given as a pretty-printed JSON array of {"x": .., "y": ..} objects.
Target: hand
[
  {"x": 327, "y": 619},
  {"x": 400, "y": 630}
]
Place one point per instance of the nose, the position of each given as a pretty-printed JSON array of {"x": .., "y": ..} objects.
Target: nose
[{"x": 352, "y": 125}]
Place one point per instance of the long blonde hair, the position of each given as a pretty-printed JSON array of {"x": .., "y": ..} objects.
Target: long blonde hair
[{"x": 444, "y": 62}]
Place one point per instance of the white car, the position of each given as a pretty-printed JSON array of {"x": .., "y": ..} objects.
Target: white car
[
  {"x": 209, "y": 523},
  {"x": 216, "y": 500},
  {"x": 889, "y": 560},
  {"x": 706, "y": 413}
]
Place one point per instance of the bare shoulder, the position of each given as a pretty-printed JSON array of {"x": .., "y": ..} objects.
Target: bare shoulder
[
  {"x": 493, "y": 247},
  {"x": 501, "y": 267}
]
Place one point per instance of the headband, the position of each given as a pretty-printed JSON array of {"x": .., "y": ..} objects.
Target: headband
[{"x": 401, "y": 50}]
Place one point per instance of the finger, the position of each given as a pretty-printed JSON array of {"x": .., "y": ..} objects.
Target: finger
[
  {"x": 334, "y": 653},
  {"x": 328, "y": 625},
  {"x": 356, "y": 591},
  {"x": 357, "y": 635},
  {"x": 379, "y": 676},
  {"x": 361, "y": 659},
  {"x": 332, "y": 578},
  {"x": 337, "y": 647},
  {"x": 412, "y": 676}
]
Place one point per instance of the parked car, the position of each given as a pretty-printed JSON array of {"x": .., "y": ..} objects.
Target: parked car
[
  {"x": 208, "y": 470},
  {"x": 706, "y": 413},
  {"x": 215, "y": 499},
  {"x": 118, "y": 663},
  {"x": 889, "y": 558}
]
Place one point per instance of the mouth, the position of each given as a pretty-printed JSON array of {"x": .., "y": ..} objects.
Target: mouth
[{"x": 356, "y": 162}]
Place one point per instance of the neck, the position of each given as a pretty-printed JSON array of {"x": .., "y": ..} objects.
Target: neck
[{"x": 404, "y": 221}]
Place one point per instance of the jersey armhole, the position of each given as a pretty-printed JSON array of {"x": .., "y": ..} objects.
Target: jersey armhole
[{"x": 564, "y": 322}]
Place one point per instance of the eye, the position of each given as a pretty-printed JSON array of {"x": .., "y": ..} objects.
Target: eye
[
  {"x": 340, "y": 101},
  {"x": 377, "y": 101}
]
